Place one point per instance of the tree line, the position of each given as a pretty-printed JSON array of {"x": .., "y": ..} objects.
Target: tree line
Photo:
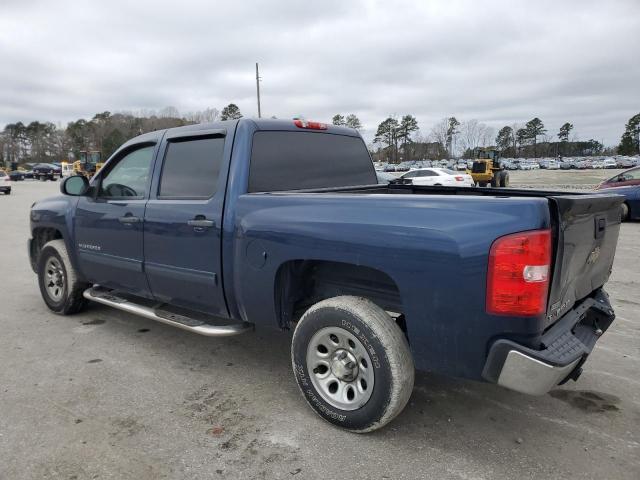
[
  {"x": 400, "y": 139},
  {"x": 45, "y": 142},
  {"x": 396, "y": 138}
]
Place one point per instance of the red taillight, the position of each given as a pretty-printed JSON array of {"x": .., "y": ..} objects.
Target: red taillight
[
  {"x": 460, "y": 179},
  {"x": 518, "y": 275},
  {"x": 309, "y": 125}
]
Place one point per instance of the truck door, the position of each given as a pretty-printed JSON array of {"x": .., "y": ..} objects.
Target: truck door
[
  {"x": 108, "y": 226},
  {"x": 183, "y": 222}
]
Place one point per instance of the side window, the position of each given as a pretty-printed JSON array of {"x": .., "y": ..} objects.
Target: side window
[
  {"x": 191, "y": 168},
  {"x": 128, "y": 178},
  {"x": 633, "y": 174}
]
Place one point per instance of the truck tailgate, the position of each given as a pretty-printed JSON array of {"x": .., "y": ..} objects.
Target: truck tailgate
[{"x": 587, "y": 228}]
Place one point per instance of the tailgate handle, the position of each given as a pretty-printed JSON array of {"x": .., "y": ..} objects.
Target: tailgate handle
[{"x": 601, "y": 226}]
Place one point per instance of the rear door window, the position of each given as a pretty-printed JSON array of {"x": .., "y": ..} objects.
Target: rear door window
[
  {"x": 305, "y": 160},
  {"x": 191, "y": 168}
]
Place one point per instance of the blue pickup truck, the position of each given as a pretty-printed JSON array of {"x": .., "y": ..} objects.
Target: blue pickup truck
[{"x": 220, "y": 228}]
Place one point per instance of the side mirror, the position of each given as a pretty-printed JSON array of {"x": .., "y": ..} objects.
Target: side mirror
[{"x": 76, "y": 186}]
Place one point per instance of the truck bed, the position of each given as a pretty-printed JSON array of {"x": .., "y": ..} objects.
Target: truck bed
[{"x": 585, "y": 228}]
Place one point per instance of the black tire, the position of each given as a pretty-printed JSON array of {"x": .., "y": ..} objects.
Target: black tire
[
  {"x": 7, "y": 192},
  {"x": 624, "y": 215},
  {"x": 504, "y": 179},
  {"x": 482, "y": 184},
  {"x": 70, "y": 298},
  {"x": 379, "y": 338},
  {"x": 495, "y": 180}
]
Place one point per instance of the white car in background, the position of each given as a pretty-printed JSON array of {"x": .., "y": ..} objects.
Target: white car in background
[
  {"x": 439, "y": 176},
  {"x": 5, "y": 183}
]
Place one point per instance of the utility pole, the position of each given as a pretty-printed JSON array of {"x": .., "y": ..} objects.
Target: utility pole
[{"x": 258, "y": 89}]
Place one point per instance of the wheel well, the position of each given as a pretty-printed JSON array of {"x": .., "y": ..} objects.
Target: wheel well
[
  {"x": 41, "y": 236},
  {"x": 302, "y": 283}
]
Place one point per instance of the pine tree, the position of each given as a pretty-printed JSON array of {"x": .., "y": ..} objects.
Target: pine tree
[
  {"x": 452, "y": 131},
  {"x": 504, "y": 139},
  {"x": 522, "y": 137},
  {"x": 630, "y": 141},
  {"x": 408, "y": 125},
  {"x": 352, "y": 121},
  {"x": 564, "y": 132},
  {"x": 387, "y": 134},
  {"x": 534, "y": 129},
  {"x": 230, "y": 112},
  {"x": 338, "y": 119}
]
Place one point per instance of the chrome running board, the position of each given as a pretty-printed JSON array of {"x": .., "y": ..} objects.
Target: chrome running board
[{"x": 112, "y": 299}]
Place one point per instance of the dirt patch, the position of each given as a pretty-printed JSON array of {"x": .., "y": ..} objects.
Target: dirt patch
[
  {"x": 238, "y": 432},
  {"x": 95, "y": 321},
  {"x": 587, "y": 400}
]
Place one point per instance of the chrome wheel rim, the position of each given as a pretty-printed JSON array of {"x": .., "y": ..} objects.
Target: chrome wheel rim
[
  {"x": 54, "y": 279},
  {"x": 340, "y": 368}
]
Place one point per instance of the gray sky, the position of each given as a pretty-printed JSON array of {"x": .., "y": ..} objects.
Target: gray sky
[{"x": 497, "y": 61}]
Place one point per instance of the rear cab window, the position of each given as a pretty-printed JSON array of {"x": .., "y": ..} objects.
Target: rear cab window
[
  {"x": 284, "y": 160},
  {"x": 191, "y": 168}
]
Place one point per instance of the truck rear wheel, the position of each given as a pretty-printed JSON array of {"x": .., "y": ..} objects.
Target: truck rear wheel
[
  {"x": 495, "y": 180},
  {"x": 352, "y": 363},
  {"x": 59, "y": 285}
]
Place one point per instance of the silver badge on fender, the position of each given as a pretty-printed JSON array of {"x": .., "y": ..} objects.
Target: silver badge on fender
[{"x": 593, "y": 256}]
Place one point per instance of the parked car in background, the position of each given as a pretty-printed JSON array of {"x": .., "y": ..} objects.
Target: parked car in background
[
  {"x": 16, "y": 175},
  {"x": 609, "y": 163},
  {"x": 439, "y": 176},
  {"x": 46, "y": 171},
  {"x": 385, "y": 177},
  {"x": 567, "y": 165},
  {"x": 5, "y": 183},
  {"x": 624, "y": 179},
  {"x": 461, "y": 166},
  {"x": 624, "y": 163},
  {"x": 631, "y": 205}
]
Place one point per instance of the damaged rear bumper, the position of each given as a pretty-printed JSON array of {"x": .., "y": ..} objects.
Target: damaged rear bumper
[{"x": 565, "y": 348}]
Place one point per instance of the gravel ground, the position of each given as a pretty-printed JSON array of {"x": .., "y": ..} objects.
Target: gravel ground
[
  {"x": 104, "y": 395},
  {"x": 560, "y": 179}
]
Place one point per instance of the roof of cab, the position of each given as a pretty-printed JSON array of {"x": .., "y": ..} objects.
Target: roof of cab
[{"x": 260, "y": 124}]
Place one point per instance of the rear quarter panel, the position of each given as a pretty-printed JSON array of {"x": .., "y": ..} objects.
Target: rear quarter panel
[{"x": 435, "y": 248}]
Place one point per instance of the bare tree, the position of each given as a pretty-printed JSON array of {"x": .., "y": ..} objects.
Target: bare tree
[
  {"x": 438, "y": 133},
  {"x": 474, "y": 134}
]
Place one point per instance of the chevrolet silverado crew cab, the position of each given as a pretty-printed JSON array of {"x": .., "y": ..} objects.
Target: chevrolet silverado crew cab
[{"x": 220, "y": 228}]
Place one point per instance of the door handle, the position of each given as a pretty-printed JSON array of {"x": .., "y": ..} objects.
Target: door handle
[
  {"x": 129, "y": 219},
  {"x": 201, "y": 223}
]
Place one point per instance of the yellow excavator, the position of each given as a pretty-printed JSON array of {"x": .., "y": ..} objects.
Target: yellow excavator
[
  {"x": 488, "y": 169},
  {"x": 89, "y": 164}
]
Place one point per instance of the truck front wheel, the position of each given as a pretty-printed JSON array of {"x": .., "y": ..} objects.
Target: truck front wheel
[
  {"x": 59, "y": 285},
  {"x": 352, "y": 363}
]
